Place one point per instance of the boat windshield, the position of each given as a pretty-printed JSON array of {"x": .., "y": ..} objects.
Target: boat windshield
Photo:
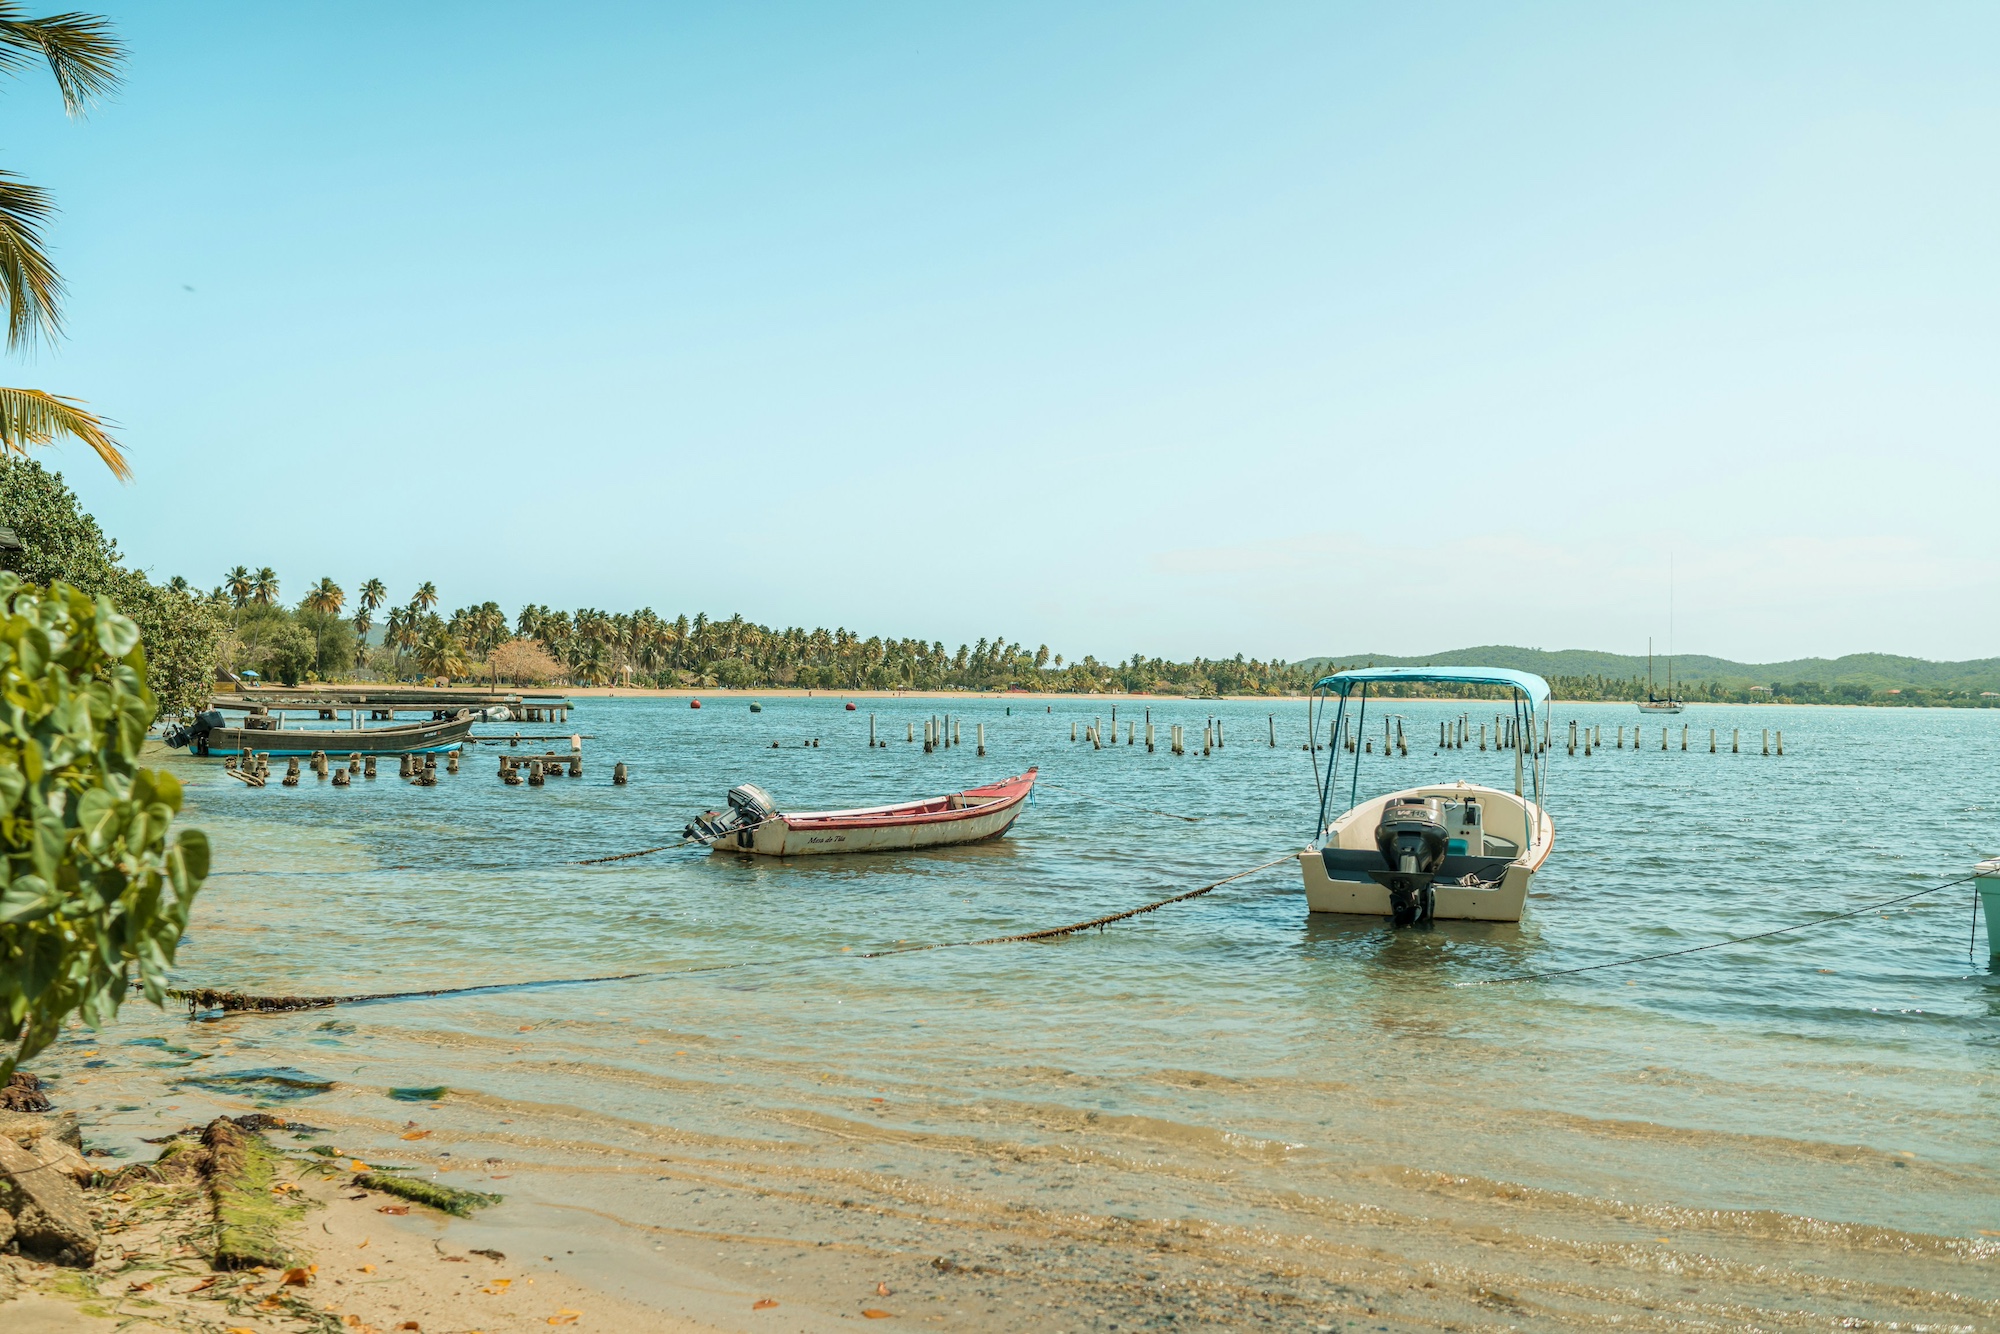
[{"x": 1531, "y": 705}]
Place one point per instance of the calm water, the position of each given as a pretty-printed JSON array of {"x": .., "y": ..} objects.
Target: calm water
[{"x": 1223, "y": 1112}]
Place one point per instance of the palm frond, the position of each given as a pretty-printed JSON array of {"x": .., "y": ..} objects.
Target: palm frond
[
  {"x": 30, "y": 418},
  {"x": 33, "y": 288},
  {"x": 82, "y": 50}
]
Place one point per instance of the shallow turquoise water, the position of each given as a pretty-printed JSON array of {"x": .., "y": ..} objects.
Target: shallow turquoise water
[{"x": 1803, "y": 1125}]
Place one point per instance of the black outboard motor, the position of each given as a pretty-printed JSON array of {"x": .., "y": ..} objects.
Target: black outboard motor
[
  {"x": 749, "y": 806},
  {"x": 1412, "y": 840},
  {"x": 195, "y": 734}
]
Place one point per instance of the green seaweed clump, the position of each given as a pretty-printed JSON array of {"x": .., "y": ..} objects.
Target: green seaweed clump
[
  {"x": 449, "y": 1199},
  {"x": 250, "y": 1219}
]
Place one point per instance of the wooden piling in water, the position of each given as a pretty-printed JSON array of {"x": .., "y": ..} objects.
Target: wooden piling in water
[
  {"x": 535, "y": 778},
  {"x": 1767, "y": 741},
  {"x": 1781, "y": 741},
  {"x": 1482, "y": 736},
  {"x": 1711, "y": 741},
  {"x": 1684, "y": 736},
  {"x": 1072, "y": 729},
  {"x": 1621, "y": 737},
  {"x": 1735, "y": 741},
  {"x": 871, "y": 731},
  {"x": 1149, "y": 733},
  {"x": 618, "y": 774},
  {"x": 982, "y": 738},
  {"x": 292, "y": 772}
]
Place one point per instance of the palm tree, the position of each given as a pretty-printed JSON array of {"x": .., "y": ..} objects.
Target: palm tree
[
  {"x": 426, "y": 596},
  {"x": 325, "y": 597},
  {"x": 264, "y": 586},
  {"x": 238, "y": 583},
  {"x": 439, "y": 653},
  {"x": 84, "y": 57},
  {"x": 373, "y": 595}
]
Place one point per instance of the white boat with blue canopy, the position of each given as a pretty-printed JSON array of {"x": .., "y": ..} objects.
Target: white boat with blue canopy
[{"x": 1456, "y": 850}]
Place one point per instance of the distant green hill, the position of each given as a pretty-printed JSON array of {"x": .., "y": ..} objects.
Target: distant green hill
[{"x": 1874, "y": 671}]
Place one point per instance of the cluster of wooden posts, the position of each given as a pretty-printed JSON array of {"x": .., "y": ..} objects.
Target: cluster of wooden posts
[
  {"x": 537, "y": 769},
  {"x": 1592, "y": 739},
  {"x": 939, "y": 733},
  {"x": 253, "y": 767}
]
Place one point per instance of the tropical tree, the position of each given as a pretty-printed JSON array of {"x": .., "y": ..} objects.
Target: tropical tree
[
  {"x": 373, "y": 595},
  {"x": 238, "y": 582},
  {"x": 439, "y": 653},
  {"x": 426, "y": 596},
  {"x": 84, "y": 57},
  {"x": 264, "y": 587},
  {"x": 326, "y": 597}
]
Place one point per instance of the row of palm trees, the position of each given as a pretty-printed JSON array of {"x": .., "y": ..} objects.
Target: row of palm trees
[{"x": 593, "y": 646}]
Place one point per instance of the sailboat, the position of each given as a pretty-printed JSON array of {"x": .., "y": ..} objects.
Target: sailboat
[{"x": 1654, "y": 703}]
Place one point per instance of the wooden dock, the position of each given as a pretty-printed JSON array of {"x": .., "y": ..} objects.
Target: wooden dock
[{"x": 384, "y": 703}]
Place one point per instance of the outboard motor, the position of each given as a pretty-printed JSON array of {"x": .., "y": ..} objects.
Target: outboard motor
[
  {"x": 749, "y": 806},
  {"x": 195, "y": 734},
  {"x": 1412, "y": 840}
]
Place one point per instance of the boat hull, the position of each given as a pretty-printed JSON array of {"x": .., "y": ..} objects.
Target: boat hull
[
  {"x": 1987, "y": 878},
  {"x": 1347, "y": 889},
  {"x": 417, "y": 739},
  {"x": 973, "y": 816},
  {"x": 1365, "y": 898}
]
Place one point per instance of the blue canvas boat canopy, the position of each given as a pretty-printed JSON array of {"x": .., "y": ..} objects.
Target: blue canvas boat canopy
[
  {"x": 1530, "y": 707},
  {"x": 1534, "y": 687}
]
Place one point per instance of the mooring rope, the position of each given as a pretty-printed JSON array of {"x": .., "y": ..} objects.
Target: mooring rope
[
  {"x": 1718, "y": 944},
  {"x": 208, "y": 998}
]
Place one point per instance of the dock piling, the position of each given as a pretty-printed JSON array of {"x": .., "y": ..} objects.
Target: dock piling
[{"x": 981, "y": 732}]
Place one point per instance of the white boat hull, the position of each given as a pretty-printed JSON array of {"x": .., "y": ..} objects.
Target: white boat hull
[
  {"x": 1502, "y": 901},
  {"x": 972, "y": 816}
]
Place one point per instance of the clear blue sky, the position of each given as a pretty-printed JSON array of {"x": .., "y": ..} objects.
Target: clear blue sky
[{"x": 1281, "y": 329}]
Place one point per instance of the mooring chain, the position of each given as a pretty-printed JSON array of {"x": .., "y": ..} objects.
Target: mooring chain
[
  {"x": 199, "y": 998},
  {"x": 1718, "y": 944}
]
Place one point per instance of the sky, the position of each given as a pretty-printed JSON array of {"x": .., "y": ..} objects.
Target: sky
[{"x": 1271, "y": 329}]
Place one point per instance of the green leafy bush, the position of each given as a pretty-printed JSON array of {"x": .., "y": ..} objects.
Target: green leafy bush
[
  {"x": 182, "y": 633},
  {"x": 91, "y": 886}
]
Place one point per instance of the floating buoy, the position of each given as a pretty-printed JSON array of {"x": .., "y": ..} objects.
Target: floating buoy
[
  {"x": 694, "y": 704},
  {"x": 850, "y": 708},
  {"x": 756, "y": 707}
]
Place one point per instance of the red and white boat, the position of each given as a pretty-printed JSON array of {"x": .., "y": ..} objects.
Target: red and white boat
[{"x": 753, "y": 823}]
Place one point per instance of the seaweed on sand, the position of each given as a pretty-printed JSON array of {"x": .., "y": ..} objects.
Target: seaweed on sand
[
  {"x": 449, "y": 1199},
  {"x": 250, "y": 1218}
]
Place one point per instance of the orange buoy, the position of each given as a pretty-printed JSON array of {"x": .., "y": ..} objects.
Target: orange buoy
[
  {"x": 694, "y": 704},
  {"x": 850, "y": 708}
]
